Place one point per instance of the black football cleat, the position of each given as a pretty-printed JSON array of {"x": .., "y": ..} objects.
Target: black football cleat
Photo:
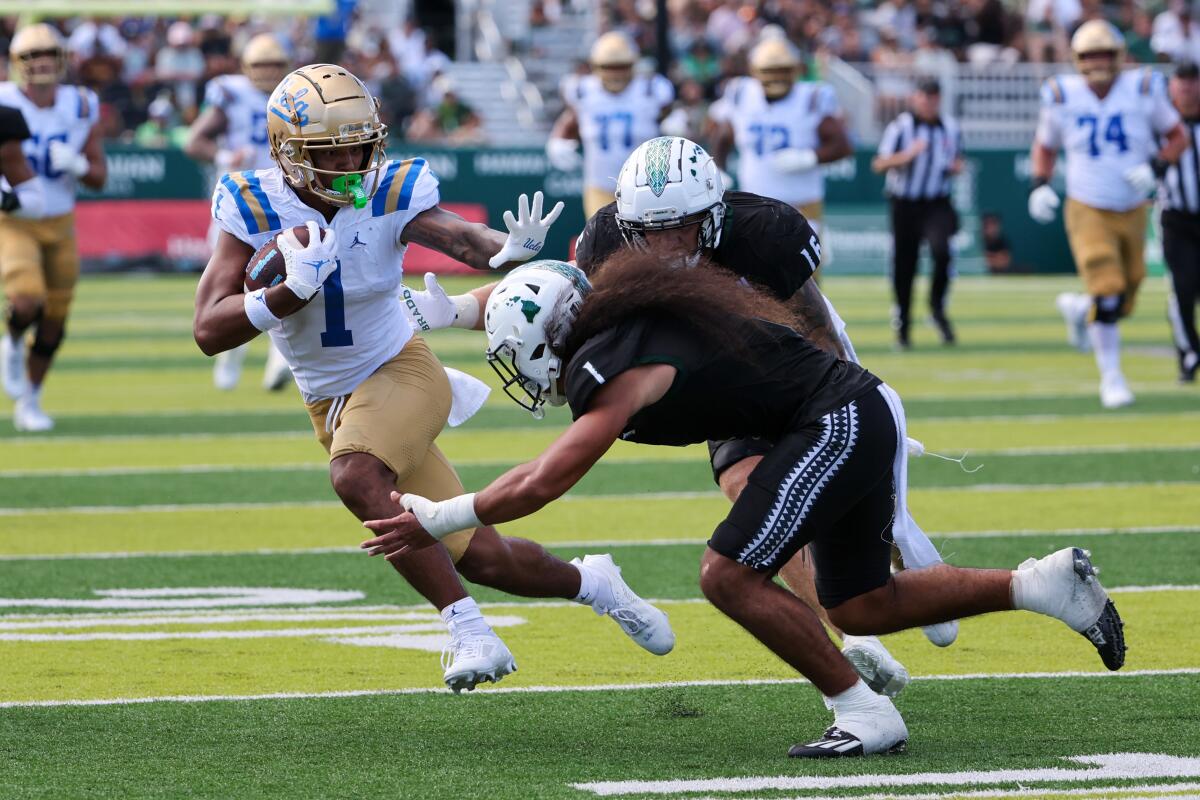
[
  {"x": 837, "y": 743},
  {"x": 1108, "y": 636}
]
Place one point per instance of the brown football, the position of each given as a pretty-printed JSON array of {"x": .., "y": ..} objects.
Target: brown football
[{"x": 266, "y": 268}]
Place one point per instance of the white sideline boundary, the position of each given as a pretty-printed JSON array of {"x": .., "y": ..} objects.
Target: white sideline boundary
[
  {"x": 611, "y": 687},
  {"x": 585, "y": 543}
]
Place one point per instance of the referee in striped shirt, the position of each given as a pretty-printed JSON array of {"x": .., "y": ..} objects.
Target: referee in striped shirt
[
  {"x": 1179, "y": 198},
  {"x": 921, "y": 151}
]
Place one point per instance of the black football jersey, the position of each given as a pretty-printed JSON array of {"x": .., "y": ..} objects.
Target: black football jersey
[
  {"x": 766, "y": 241},
  {"x": 775, "y": 382},
  {"x": 12, "y": 125}
]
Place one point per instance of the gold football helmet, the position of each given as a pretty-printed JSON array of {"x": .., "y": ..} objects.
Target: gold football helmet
[
  {"x": 775, "y": 64},
  {"x": 264, "y": 62},
  {"x": 612, "y": 59},
  {"x": 1098, "y": 38},
  {"x": 324, "y": 107},
  {"x": 37, "y": 56}
]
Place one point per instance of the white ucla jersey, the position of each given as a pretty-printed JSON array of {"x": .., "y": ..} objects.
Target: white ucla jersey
[
  {"x": 1104, "y": 139},
  {"x": 245, "y": 110},
  {"x": 611, "y": 126},
  {"x": 761, "y": 127},
  {"x": 69, "y": 120},
  {"x": 355, "y": 323}
]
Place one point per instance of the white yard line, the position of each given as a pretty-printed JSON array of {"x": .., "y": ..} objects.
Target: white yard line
[
  {"x": 612, "y": 687},
  {"x": 589, "y": 543},
  {"x": 318, "y": 466}
]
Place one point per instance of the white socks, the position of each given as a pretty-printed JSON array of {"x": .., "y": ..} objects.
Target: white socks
[
  {"x": 463, "y": 617},
  {"x": 857, "y": 699},
  {"x": 594, "y": 591},
  {"x": 1106, "y": 343}
]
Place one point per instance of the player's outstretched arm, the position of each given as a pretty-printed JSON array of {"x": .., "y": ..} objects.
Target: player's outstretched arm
[
  {"x": 220, "y": 322},
  {"x": 526, "y": 488},
  {"x": 477, "y": 245}
]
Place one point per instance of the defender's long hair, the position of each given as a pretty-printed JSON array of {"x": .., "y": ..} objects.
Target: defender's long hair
[{"x": 633, "y": 283}]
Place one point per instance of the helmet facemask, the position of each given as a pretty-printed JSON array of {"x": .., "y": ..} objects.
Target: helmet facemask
[
  {"x": 1097, "y": 72},
  {"x": 265, "y": 75},
  {"x": 708, "y": 234},
  {"x": 776, "y": 81},
  {"x": 615, "y": 78}
]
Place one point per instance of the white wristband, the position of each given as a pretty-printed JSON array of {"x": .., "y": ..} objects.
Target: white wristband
[
  {"x": 448, "y": 516},
  {"x": 257, "y": 312},
  {"x": 466, "y": 309}
]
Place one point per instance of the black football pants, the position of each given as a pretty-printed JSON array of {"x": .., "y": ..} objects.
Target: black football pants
[
  {"x": 914, "y": 221},
  {"x": 1181, "y": 248}
]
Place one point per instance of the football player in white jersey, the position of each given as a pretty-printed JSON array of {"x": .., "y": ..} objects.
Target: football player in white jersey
[
  {"x": 1109, "y": 123},
  {"x": 38, "y": 256},
  {"x": 376, "y": 394},
  {"x": 611, "y": 112},
  {"x": 783, "y": 130},
  {"x": 231, "y": 134}
]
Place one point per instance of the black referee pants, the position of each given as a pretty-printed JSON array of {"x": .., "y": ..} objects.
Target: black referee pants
[
  {"x": 1181, "y": 248},
  {"x": 914, "y": 221}
]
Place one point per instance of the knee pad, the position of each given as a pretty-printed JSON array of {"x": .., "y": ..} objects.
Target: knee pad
[
  {"x": 46, "y": 343},
  {"x": 20, "y": 322},
  {"x": 1108, "y": 308}
]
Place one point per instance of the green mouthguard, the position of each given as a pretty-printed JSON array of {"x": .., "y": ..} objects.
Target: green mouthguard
[{"x": 351, "y": 185}]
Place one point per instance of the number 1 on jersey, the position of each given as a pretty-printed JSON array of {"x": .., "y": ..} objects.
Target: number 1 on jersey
[{"x": 335, "y": 334}]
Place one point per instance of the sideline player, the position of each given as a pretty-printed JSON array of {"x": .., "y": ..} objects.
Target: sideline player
[
  {"x": 376, "y": 394},
  {"x": 783, "y": 129},
  {"x": 611, "y": 112},
  {"x": 646, "y": 357},
  {"x": 39, "y": 259},
  {"x": 1108, "y": 122},
  {"x": 231, "y": 134},
  {"x": 689, "y": 218},
  {"x": 1179, "y": 196}
]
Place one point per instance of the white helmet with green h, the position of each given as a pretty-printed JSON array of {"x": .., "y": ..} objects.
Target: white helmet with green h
[
  {"x": 531, "y": 299},
  {"x": 670, "y": 182}
]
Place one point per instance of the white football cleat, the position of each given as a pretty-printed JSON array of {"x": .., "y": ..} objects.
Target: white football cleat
[
  {"x": 642, "y": 622},
  {"x": 878, "y": 668},
  {"x": 28, "y": 415},
  {"x": 862, "y": 733},
  {"x": 227, "y": 369},
  {"x": 12, "y": 366},
  {"x": 1063, "y": 585},
  {"x": 1115, "y": 392},
  {"x": 473, "y": 658},
  {"x": 277, "y": 373},
  {"x": 942, "y": 634},
  {"x": 1074, "y": 309}
]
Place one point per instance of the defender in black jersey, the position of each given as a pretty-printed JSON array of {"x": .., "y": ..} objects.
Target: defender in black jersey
[{"x": 647, "y": 357}]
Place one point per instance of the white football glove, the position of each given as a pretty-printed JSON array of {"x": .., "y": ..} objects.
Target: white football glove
[
  {"x": 430, "y": 309},
  {"x": 1142, "y": 179},
  {"x": 308, "y": 266},
  {"x": 527, "y": 232},
  {"x": 793, "y": 159},
  {"x": 563, "y": 154},
  {"x": 440, "y": 518},
  {"x": 64, "y": 158},
  {"x": 1043, "y": 203}
]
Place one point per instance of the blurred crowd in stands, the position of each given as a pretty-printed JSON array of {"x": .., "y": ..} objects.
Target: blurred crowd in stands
[{"x": 150, "y": 71}]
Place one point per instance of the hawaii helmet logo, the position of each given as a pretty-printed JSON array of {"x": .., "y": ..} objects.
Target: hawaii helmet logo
[{"x": 658, "y": 164}]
